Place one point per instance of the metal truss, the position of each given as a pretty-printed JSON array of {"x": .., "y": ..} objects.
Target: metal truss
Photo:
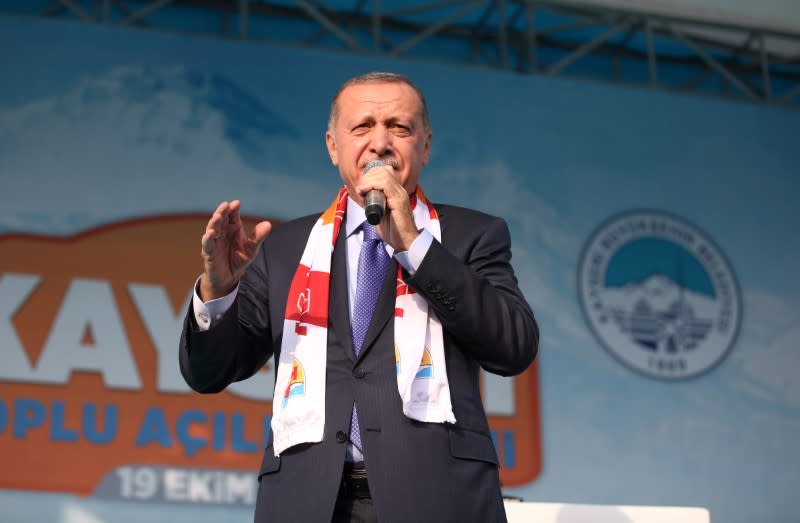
[{"x": 578, "y": 39}]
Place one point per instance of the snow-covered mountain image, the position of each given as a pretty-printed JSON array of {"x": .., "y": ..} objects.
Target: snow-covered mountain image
[
  {"x": 144, "y": 139},
  {"x": 660, "y": 315},
  {"x": 162, "y": 106}
]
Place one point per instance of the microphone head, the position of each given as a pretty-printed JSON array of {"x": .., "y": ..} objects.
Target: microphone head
[
  {"x": 375, "y": 163},
  {"x": 375, "y": 201}
]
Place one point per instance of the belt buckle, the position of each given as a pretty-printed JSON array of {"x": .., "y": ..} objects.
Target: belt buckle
[{"x": 354, "y": 481}]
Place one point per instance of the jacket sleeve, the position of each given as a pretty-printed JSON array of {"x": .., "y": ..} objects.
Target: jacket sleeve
[
  {"x": 470, "y": 284},
  {"x": 238, "y": 345}
]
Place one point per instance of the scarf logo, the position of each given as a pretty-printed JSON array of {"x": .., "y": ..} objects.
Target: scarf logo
[
  {"x": 303, "y": 306},
  {"x": 304, "y": 302},
  {"x": 425, "y": 366},
  {"x": 401, "y": 289},
  {"x": 297, "y": 383}
]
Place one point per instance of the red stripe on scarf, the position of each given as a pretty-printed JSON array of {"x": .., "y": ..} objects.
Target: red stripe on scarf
[{"x": 308, "y": 297}]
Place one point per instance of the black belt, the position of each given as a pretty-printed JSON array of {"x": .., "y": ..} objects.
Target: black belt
[{"x": 354, "y": 481}]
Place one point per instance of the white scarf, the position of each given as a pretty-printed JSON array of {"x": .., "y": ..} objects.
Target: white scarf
[{"x": 298, "y": 404}]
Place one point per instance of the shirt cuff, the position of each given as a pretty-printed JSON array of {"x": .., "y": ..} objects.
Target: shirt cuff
[
  {"x": 207, "y": 314},
  {"x": 412, "y": 258}
]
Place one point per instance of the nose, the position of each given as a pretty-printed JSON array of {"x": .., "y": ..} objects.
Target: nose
[{"x": 381, "y": 141}]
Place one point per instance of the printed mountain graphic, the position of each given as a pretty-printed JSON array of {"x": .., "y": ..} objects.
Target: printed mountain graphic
[
  {"x": 163, "y": 103},
  {"x": 659, "y": 315},
  {"x": 138, "y": 140}
]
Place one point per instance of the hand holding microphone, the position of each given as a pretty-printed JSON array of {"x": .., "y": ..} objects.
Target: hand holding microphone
[
  {"x": 388, "y": 208},
  {"x": 375, "y": 200}
]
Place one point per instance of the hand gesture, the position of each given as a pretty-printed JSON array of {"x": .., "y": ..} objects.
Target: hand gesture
[{"x": 227, "y": 251}]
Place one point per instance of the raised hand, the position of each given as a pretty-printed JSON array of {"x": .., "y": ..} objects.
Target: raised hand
[{"x": 227, "y": 251}]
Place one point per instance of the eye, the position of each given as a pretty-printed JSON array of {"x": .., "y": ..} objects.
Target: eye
[{"x": 401, "y": 129}]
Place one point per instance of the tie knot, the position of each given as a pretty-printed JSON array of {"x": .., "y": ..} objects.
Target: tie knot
[{"x": 370, "y": 232}]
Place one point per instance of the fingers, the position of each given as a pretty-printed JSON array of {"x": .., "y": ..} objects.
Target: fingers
[
  {"x": 260, "y": 231},
  {"x": 207, "y": 241},
  {"x": 379, "y": 178},
  {"x": 232, "y": 216},
  {"x": 224, "y": 222},
  {"x": 215, "y": 227},
  {"x": 225, "y": 225},
  {"x": 397, "y": 227},
  {"x": 383, "y": 179},
  {"x": 257, "y": 237}
]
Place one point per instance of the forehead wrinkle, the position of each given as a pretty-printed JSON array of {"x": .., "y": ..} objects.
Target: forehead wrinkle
[
  {"x": 370, "y": 106},
  {"x": 367, "y": 103},
  {"x": 371, "y": 97},
  {"x": 377, "y": 114}
]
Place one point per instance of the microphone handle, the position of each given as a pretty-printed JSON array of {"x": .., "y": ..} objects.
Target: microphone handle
[{"x": 375, "y": 206}]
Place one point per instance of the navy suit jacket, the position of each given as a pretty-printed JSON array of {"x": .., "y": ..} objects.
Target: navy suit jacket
[{"x": 418, "y": 472}]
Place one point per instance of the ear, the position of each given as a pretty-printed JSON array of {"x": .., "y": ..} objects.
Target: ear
[
  {"x": 426, "y": 152},
  {"x": 330, "y": 141}
]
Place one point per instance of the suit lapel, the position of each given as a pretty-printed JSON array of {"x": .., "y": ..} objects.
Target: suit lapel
[
  {"x": 339, "y": 305},
  {"x": 384, "y": 309},
  {"x": 442, "y": 220}
]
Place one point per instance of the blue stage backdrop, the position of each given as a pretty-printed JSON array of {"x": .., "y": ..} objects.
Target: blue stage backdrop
[{"x": 654, "y": 235}]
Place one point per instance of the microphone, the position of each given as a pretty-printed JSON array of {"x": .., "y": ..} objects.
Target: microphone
[{"x": 375, "y": 200}]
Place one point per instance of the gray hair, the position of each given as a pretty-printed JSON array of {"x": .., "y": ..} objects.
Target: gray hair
[{"x": 377, "y": 77}]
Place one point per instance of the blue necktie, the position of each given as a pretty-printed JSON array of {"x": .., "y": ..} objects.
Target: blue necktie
[{"x": 373, "y": 261}]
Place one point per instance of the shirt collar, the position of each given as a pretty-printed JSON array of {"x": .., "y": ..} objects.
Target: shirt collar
[{"x": 354, "y": 218}]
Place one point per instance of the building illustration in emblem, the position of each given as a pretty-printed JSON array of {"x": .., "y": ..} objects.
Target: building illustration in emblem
[
  {"x": 669, "y": 327},
  {"x": 659, "y": 295}
]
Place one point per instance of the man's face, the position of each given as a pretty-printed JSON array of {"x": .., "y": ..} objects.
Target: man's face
[{"x": 380, "y": 121}]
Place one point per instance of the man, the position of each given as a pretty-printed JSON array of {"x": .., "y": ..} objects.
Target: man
[{"x": 378, "y": 343}]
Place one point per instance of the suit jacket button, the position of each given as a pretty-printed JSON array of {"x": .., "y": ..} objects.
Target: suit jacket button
[
  {"x": 359, "y": 373},
  {"x": 341, "y": 437}
]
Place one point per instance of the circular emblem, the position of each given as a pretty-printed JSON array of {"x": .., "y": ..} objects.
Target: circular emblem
[{"x": 659, "y": 294}]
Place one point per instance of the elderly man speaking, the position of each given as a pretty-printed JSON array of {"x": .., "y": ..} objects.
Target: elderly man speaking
[{"x": 379, "y": 321}]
